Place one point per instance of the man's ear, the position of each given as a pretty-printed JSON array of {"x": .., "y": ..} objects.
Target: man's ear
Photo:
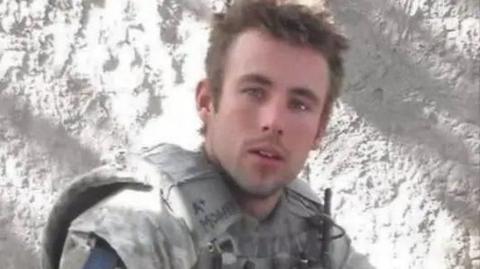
[{"x": 204, "y": 99}]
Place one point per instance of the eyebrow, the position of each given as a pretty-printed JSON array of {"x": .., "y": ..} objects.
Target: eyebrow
[
  {"x": 296, "y": 91},
  {"x": 305, "y": 93},
  {"x": 257, "y": 78}
]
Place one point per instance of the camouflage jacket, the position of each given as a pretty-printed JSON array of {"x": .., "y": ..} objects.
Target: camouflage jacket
[{"x": 170, "y": 208}]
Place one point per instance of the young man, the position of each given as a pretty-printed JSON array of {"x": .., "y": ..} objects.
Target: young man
[{"x": 273, "y": 71}]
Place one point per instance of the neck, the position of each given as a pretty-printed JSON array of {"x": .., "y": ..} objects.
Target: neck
[{"x": 258, "y": 207}]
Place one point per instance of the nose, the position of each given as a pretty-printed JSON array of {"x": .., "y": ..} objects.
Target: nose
[
  {"x": 272, "y": 119},
  {"x": 278, "y": 131}
]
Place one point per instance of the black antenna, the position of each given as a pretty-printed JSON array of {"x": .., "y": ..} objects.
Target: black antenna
[{"x": 326, "y": 228}]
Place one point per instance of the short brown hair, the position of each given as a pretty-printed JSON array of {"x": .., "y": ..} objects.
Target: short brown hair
[{"x": 293, "y": 23}]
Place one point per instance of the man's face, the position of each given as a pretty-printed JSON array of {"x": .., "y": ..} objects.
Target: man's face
[{"x": 269, "y": 114}]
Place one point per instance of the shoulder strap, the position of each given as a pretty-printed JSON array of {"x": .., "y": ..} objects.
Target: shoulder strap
[
  {"x": 303, "y": 188},
  {"x": 195, "y": 190},
  {"x": 82, "y": 194},
  {"x": 181, "y": 165}
]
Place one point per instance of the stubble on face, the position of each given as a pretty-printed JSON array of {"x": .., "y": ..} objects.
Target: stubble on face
[
  {"x": 238, "y": 174},
  {"x": 233, "y": 130}
]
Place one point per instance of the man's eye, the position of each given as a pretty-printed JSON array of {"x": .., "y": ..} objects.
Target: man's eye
[
  {"x": 299, "y": 105},
  {"x": 257, "y": 93}
]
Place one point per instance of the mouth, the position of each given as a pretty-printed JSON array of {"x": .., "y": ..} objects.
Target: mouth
[{"x": 267, "y": 153}]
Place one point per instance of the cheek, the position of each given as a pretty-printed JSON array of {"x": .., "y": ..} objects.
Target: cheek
[
  {"x": 303, "y": 130},
  {"x": 233, "y": 126},
  {"x": 242, "y": 117}
]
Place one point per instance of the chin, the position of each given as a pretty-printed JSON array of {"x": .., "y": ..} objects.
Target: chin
[
  {"x": 254, "y": 184},
  {"x": 261, "y": 190}
]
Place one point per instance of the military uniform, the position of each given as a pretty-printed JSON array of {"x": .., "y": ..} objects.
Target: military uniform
[{"x": 170, "y": 208}]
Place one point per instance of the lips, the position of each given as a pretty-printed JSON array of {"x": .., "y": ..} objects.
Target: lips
[{"x": 267, "y": 152}]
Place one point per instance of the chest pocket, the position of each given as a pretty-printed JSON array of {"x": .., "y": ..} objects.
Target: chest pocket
[
  {"x": 293, "y": 239},
  {"x": 302, "y": 250}
]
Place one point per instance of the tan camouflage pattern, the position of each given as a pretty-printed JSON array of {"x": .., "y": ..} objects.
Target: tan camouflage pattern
[
  {"x": 139, "y": 229},
  {"x": 134, "y": 222},
  {"x": 161, "y": 228}
]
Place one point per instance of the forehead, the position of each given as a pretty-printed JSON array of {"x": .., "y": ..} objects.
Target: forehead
[{"x": 257, "y": 52}]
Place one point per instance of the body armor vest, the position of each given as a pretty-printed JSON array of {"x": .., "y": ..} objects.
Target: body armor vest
[{"x": 198, "y": 200}]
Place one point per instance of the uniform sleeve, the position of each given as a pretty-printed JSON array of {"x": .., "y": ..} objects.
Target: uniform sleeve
[
  {"x": 138, "y": 227},
  {"x": 90, "y": 253}
]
